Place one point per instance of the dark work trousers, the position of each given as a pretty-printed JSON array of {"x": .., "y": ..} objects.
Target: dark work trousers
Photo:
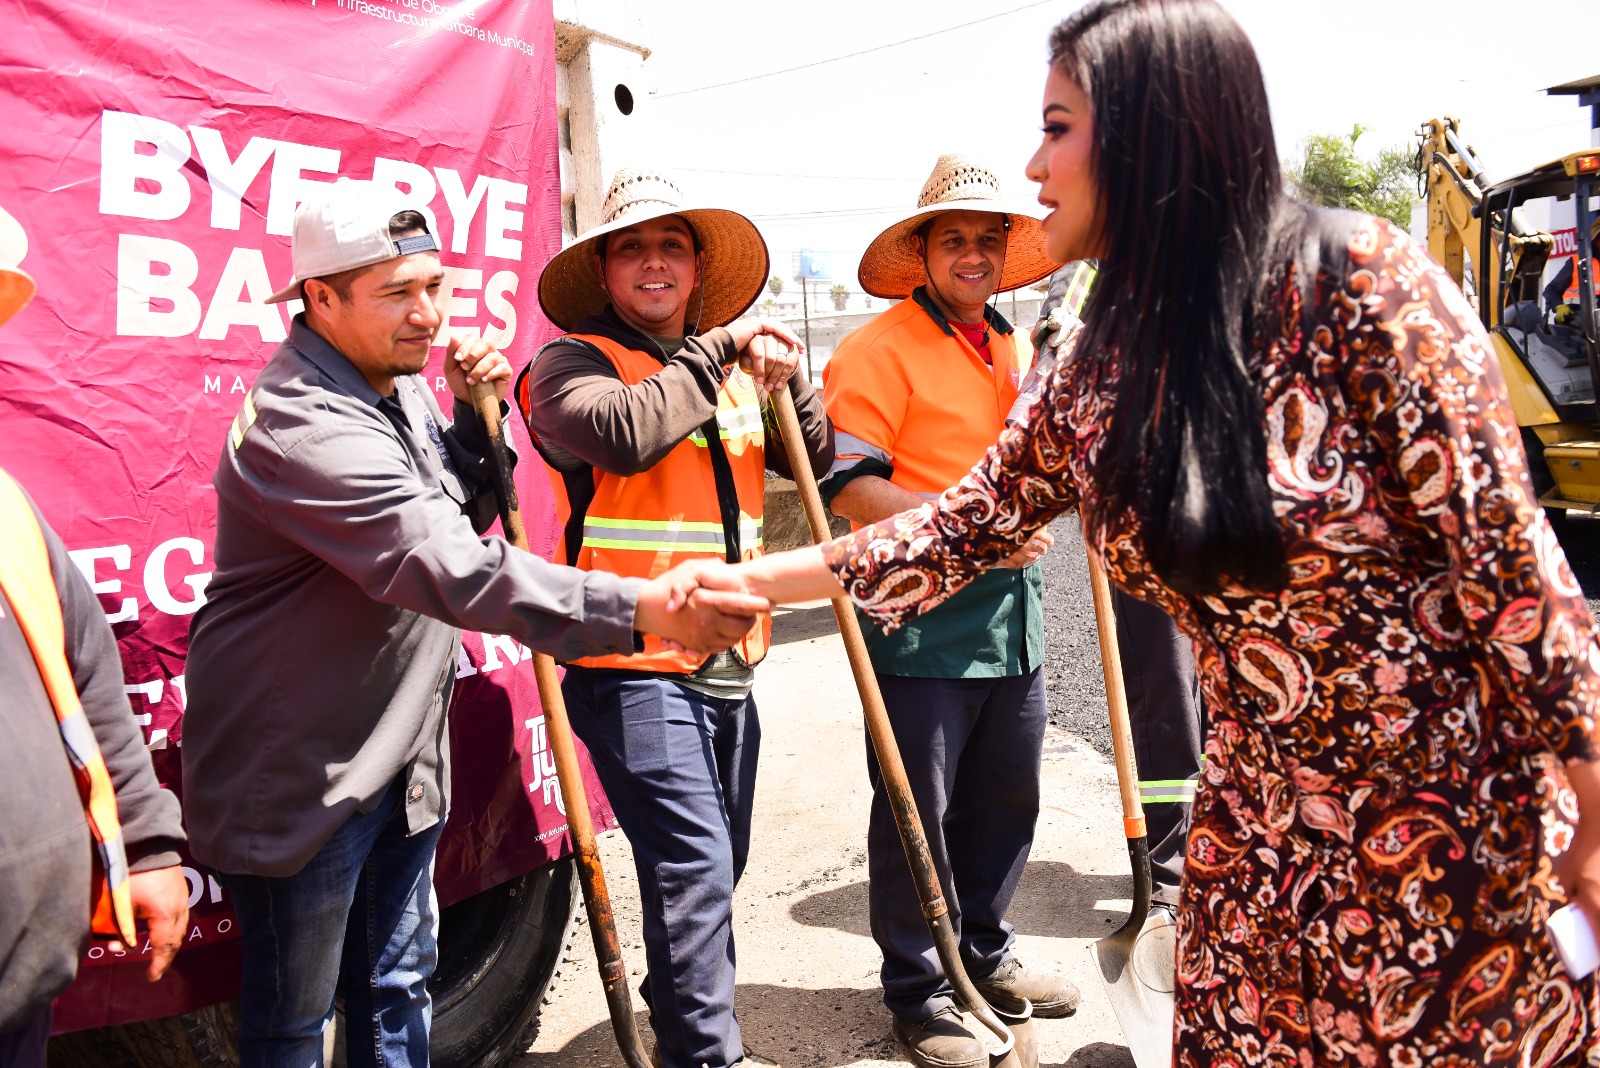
[
  {"x": 24, "y": 1046},
  {"x": 679, "y": 769},
  {"x": 971, "y": 748},
  {"x": 1165, "y": 713}
]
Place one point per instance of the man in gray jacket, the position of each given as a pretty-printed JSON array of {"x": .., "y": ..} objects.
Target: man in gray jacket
[
  {"x": 348, "y": 558},
  {"x": 45, "y": 840}
]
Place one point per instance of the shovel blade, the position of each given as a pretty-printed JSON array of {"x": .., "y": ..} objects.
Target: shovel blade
[{"x": 1136, "y": 968}]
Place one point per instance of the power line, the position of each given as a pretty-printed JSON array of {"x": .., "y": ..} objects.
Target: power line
[
  {"x": 786, "y": 174},
  {"x": 1010, "y": 204},
  {"x": 853, "y": 55}
]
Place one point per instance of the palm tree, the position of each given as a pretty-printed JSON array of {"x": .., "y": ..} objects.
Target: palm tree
[
  {"x": 775, "y": 283},
  {"x": 840, "y": 295}
]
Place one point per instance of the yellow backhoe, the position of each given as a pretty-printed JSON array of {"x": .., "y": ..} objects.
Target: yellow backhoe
[{"x": 1545, "y": 330}]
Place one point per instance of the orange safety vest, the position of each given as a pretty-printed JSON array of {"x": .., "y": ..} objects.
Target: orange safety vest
[
  {"x": 926, "y": 398},
  {"x": 640, "y": 525},
  {"x": 29, "y": 586}
]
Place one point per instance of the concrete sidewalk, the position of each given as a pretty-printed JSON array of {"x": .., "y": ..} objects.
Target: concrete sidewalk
[{"x": 808, "y": 992}]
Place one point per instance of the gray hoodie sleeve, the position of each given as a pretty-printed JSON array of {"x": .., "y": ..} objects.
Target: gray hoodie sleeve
[
  {"x": 345, "y": 493},
  {"x": 150, "y": 815}
]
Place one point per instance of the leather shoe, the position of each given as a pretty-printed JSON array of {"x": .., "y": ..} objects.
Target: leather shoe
[
  {"x": 940, "y": 1041},
  {"x": 1053, "y": 997}
]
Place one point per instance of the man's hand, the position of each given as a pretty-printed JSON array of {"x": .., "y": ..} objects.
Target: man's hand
[
  {"x": 769, "y": 351},
  {"x": 1030, "y": 552},
  {"x": 161, "y": 900},
  {"x": 471, "y": 359},
  {"x": 699, "y": 607}
]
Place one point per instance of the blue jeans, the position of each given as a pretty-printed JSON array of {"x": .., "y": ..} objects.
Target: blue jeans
[
  {"x": 972, "y": 751},
  {"x": 360, "y": 918},
  {"x": 679, "y": 769}
]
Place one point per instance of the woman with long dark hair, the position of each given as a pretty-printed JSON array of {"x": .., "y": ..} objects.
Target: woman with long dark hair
[{"x": 1287, "y": 428}]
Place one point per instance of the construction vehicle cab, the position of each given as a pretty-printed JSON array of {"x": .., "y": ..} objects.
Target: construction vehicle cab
[{"x": 1541, "y": 314}]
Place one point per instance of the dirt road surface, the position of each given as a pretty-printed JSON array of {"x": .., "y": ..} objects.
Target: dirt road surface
[{"x": 808, "y": 989}]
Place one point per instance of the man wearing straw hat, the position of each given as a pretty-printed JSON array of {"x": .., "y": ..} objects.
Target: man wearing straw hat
[
  {"x": 649, "y": 415},
  {"x": 90, "y": 839},
  {"x": 350, "y": 555},
  {"x": 917, "y": 395}
]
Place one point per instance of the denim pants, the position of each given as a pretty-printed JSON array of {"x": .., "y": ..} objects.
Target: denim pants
[
  {"x": 360, "y": 918},
  {"x": 679, "y": 769},
  {"x": 972, "y": 750}
]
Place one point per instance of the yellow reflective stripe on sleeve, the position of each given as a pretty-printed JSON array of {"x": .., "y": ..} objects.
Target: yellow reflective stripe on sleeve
[
  {"x": 243, "y": 421},
  {"x": 732, "y": 423}
]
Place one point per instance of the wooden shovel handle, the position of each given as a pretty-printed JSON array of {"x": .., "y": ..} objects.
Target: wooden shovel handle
[
  {"x": 569, "y": 775},
  {"x": 1116, "y": 695},
  {"x": 935, "y": 910}
]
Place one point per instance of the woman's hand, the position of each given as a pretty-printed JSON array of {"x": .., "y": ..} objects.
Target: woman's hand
[
  {"x": 700, "y": 607},
  {"x": 1580, "y": 865},
  {"x": 1031, "y": 551}
]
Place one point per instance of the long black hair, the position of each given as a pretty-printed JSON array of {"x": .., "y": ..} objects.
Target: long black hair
[{"x": 1194, "y": 227}]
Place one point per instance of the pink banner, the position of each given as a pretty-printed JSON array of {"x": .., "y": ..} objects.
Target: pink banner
[{"x": 155, "y": 153}]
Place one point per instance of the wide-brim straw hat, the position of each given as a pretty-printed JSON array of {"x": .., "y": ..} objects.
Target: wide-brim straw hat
[
  {"x": 734, "y": 272},
  {"x": 16, "y": 285},
  {"x": 892, "y": 265}
]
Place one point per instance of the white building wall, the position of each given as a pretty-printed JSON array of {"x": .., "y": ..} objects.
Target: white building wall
[{"x": 602, "y": 100}]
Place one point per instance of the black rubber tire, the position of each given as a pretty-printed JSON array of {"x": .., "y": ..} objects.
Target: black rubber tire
[{"x": 500, "y": 954}]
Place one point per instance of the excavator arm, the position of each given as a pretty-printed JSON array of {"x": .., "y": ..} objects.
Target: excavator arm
[{"x": 1454, "y": 181}]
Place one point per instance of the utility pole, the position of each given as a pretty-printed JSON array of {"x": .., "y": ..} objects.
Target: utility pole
[{"x": 805, "y": 309}]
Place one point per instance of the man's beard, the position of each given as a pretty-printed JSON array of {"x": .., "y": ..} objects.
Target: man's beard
[{"x": 413, "y": 366}]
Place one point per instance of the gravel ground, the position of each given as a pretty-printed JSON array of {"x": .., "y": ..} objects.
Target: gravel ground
[{"x": 1072, "y": 650}]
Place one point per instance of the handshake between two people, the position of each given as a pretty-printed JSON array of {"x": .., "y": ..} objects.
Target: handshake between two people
[
  {"x": 706, "y": 606},
  {"x": 700, "y": 607}
]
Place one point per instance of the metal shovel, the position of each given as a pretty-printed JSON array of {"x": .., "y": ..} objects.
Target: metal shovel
[
  {"x": 558, "y": 730},
  {"x": 1017, "y": 1046},
  {"x": 1136, "y": 962}
]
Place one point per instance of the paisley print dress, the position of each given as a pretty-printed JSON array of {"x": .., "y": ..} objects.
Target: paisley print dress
[{"x": 1371, "y": 858}]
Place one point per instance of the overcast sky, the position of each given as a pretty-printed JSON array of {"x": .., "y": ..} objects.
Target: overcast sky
[{"x": 822, "y": 157}]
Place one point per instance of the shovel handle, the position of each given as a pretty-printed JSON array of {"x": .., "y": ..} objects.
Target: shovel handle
[
  {"x": 558, "y": 732},
  {"x": 1133, "y": 825},
  {"x": 1116, "y": 695},
  {"x": 890, "y": 766}
]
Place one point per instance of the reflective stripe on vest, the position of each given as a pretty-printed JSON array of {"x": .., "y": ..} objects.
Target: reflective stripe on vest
[
  {"x": 29, "y": 586},
  {"x": 733, "y": 422},
  {"x": 666, "y": 535}
]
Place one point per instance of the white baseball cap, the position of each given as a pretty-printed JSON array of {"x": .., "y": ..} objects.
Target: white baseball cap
[{"x": 346, "y": 226}]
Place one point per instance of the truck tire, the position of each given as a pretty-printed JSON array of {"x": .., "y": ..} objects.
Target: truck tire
[{"x": 500, "y": 954}]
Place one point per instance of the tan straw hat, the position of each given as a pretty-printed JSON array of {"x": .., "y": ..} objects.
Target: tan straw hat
[
  {"x": 892, "y": 267},
  {"x": 735, "y": 255},
  {"x": 16, "y": 286}
]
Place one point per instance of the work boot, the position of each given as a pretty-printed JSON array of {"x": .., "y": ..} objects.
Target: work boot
[
  {"x": 1053, "y": 997},
  {"x": 940, "y": 1041}
]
